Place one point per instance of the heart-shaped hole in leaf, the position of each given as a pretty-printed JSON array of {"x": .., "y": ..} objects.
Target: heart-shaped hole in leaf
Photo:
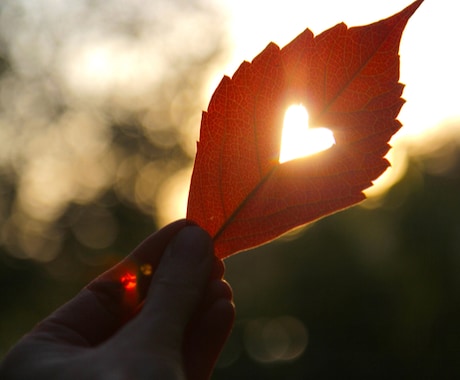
[{"x": 298, "y": 140}]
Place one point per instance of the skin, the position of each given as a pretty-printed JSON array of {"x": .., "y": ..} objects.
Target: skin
[{"x": 170, "y": 324}]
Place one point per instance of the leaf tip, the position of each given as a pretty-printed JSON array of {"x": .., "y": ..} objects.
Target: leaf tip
[{"x": 410, "y": 10}]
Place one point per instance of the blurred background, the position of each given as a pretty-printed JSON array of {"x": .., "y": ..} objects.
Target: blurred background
[{"x": 100, "y": 107}]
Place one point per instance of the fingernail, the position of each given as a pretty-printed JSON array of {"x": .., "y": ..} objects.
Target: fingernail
[{"x": 192, "y": 243}]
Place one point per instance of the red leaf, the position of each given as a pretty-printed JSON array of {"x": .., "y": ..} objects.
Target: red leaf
[{"x": 348, "y": 81}]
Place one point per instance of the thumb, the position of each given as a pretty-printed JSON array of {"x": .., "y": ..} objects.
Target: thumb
[{"x": 176, "y": 289}]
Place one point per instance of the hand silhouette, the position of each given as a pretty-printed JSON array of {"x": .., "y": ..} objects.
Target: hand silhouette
[{"x": 162, "y": 313}]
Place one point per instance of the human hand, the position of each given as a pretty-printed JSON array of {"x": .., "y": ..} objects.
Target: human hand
[{"x": 162, "y": 313}]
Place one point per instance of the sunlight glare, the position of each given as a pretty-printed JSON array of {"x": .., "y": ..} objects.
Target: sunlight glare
[
  {"x": 432, "y": 99},
  {"x": 171, "y": 200},
  {"x": 298, "y": 140}
]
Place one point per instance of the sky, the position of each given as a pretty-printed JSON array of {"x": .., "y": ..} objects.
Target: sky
[
  {"x": 117, "y": 56},
  {"x": 429, "y": 60},
  {"x": 428, "y": 57}
]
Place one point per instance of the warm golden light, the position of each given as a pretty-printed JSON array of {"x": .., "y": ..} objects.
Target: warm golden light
[
  {"x": 171, "y": 201},
  {"x": 421, "y": 51},
  {"x": 298, "y": 140},
  {"x": 146, "y": 269}
]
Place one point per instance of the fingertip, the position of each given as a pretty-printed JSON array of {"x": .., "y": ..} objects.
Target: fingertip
[
  {"x": 218, "y": 269},
  {"x": 218, "y": 289},
  {"x": 154, "y": 245},
  {"x": 192, "y": 243},
  {"x": 147, "y": 253},
  {"x": 224, "y": 310}
]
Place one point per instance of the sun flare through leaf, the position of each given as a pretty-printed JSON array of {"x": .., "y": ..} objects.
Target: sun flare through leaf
[
  {"x": 349, "y": 78},
  {"x": 298, "y": 140}
]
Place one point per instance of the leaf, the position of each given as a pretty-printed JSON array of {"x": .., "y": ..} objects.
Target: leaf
[{"x": 348, "y": 81}]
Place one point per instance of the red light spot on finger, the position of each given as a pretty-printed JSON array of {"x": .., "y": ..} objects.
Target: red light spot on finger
[{"x": 129, "y": 281}]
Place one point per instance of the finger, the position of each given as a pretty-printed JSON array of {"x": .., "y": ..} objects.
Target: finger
[
  {"x": 176, "y": 290},
  {"x": 135, "y": 271},
  {"x": 105, "y": 304},
  {"x": 217, "y": 287},
  {"x": 218, "y": 269},
  {"x": 208, "y": 331}
]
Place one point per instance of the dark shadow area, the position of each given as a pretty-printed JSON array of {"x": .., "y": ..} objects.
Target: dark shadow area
[{"x": 378, "y": 291}]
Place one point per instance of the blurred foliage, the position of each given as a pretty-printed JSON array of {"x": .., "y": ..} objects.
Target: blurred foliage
[
  {"x": 100, "y": 105},
  {"x": 378, "y": 289}
]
